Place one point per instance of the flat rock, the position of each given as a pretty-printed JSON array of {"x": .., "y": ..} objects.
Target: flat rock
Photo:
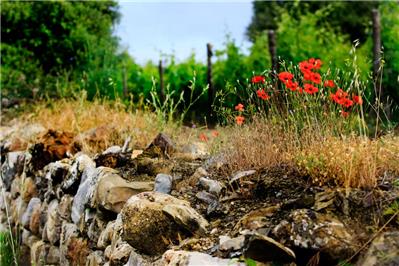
[
  {"x": 194, "y": 258},
  {"x": 212, "y": 186},
  {"x": 113, "y": 191},
  {"x": 265, "y": 249},
  {"x": 151, "y": 221}
]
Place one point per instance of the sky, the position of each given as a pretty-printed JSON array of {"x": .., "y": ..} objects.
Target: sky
[{"x": 150, "y": 28}]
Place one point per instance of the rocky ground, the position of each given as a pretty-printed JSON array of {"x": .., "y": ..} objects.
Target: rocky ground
[{"x": 169, "y": 205}]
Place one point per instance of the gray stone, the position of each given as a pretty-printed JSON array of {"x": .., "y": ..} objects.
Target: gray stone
[
  {"x": 86, "y": 188},
  {"x": 383, "y": 251},
  {"x": 151, "y": 219},
  {"x": 38, "y": 253},
  {"x": 56, "y": 172},
  {"x": 194, "y": 258},
  {"x": 135, "y": 260},
  {"x": 210, "y": 185},
  {"x": 95, "y": 258},
  {"x": 112, "y": 149},
  {"x": 120, "y": 254},
  {"x": 5, "y": 199},
  {"x": 230, "y": 244},
  {"x": 53, "y": 224},
  {"x": 238, "y": 175},
  {"x": 82, "y": 167},
  {"x": 18, "y": 208},
  {"x": 12, "y": 167},
  {"x": 69, "y": 231},
  {"x": 105, "y": 236},
  {"x": 25, "y": 237},
  {"x": 53, "y": 255},
  {"x": 15, "y": 188},
  {"x": 163, "y": 183},
  {"x": 65, "y": 207},
  {"x": 113, "y": 191},
  {"x": 195, "y": 150},
  {"x": 95, "y": 228},
  {"x": 26, "y": 217}
]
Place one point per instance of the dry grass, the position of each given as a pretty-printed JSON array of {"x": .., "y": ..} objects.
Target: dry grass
[
  {"x": 113, "y": 121},
  {"x": 351, "y": 161},
  {"x": 254, "y": 146}
]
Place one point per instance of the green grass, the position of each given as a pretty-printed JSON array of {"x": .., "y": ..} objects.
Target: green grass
[{"x": 7, "y": 249}]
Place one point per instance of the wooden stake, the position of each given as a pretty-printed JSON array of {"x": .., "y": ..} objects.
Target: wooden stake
[
  {"x": 211, "y": 92},
  {"x": 161, "y": 84}
]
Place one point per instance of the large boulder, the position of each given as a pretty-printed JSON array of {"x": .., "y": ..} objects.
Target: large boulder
[
  {"x": 113, "y": 191},
  {"x": 308, "y": 230},
  {"x": 152, "y": 221},
  {"x": 383, "y": 251}
]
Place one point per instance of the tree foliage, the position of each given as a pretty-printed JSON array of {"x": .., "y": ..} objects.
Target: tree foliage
[
  {"x": 48, "y": 39},
  {"x": 348, "y": 17}
]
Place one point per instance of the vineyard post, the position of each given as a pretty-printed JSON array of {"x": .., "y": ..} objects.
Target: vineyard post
[
  {"x": 273, "y": 49},
  {"x": 379, "y": 93},
  {"x": 376, "y": 42},
  {"x": 124, "y": 82},
  {"x": 161, "y": 84},
  {"x": 211, "y": 93}
]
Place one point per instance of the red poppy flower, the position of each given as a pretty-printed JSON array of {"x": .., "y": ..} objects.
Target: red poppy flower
[
  {"x": 307, "y": 75},
  {"x": 215, "y": 133},
  {"x": 311, "y": 60},
  {"x": 305, "y": 66},
  {"x": 292, "y": 85},
  {"x": 285, "y": 76},
  {"x": 203, "y": 137},
  {"x": 300, "y": 90},
  {"x": 329, "y": 83},
  {"x": 340, "y": 97},
  {"x": 262, "y": 94},
  {"x": 316, "y": 78},
  {"x": 239, "y": 120},
  {"x": 344, "y": 114},
  {"x": 258, "y": 79},
  {"x": 239, "y": 107},
  {"x": 310, "y": 89},
  {"x": 317, "y": 64},
  {"x": 347, "y": 102},
  {"x": 358, "y": 99}
]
